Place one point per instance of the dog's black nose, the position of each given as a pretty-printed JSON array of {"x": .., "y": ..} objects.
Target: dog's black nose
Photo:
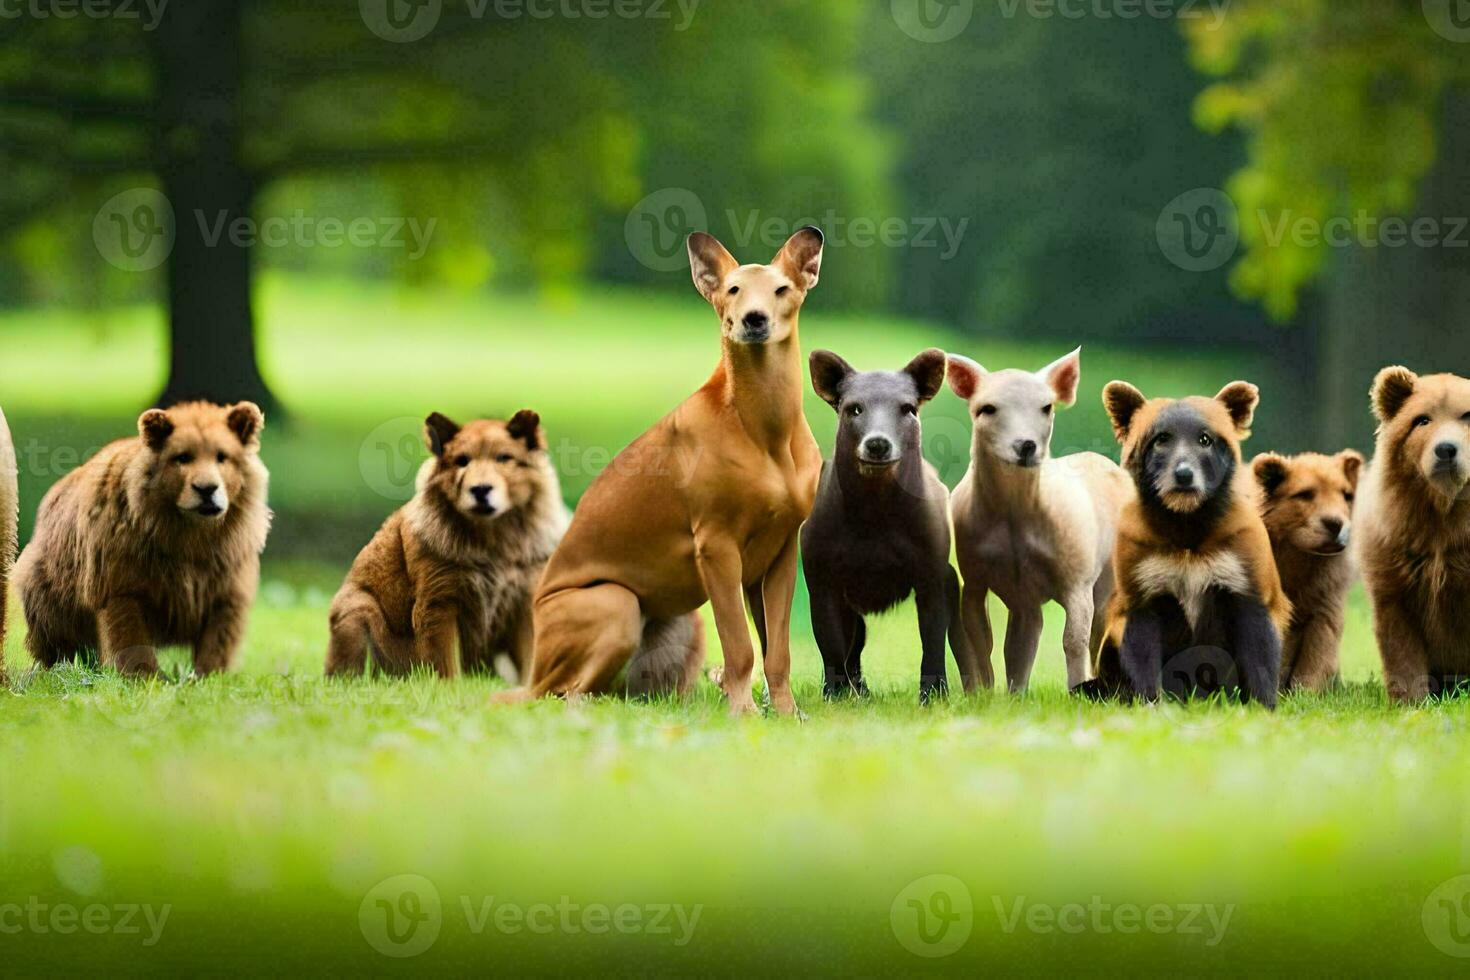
[
  {"x": 481, "y": 491},
  {"x": 1332, "y": 526},
  {"x": 1025, "y": 449},
  {"x": 206, "y": 490},
  {"x": 1183, "y": 476},
  {"x": 755, "y": 320},
  {"x": 1446, "y": 451},
  {"x": 877, "y": 447}
]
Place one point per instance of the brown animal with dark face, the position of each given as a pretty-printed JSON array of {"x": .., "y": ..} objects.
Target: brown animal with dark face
[
  {"x": 458, "y": 561},
  {"x": 1307, "y": 504},
  {"x": 1413, "y": 537},
  {"x": 154, "y": 541}
]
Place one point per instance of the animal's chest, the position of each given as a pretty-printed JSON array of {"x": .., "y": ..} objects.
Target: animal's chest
[
  {"x": 1439, "y": 586},
  {"x": 1018, "y": 561},
  {"x": 875, "y": 573},
  {"x": 1188, "y": 577},
  {"x": 767, "y": 503},
  {"x": 490, "y": 597}
]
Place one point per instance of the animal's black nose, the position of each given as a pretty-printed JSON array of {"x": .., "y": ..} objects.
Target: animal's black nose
[
  {"x": 877, "y": 447},
  {"x": 755, "y": 320},
  {"x": 1184, "y": 476},
  {"x": 481, "y": 491},
  {"x": 1025, "y": 449},
  {"x": 206, "y": 490},
  {"x": 1446, "y": 451},
  {"x": 1332, "y": 526}
]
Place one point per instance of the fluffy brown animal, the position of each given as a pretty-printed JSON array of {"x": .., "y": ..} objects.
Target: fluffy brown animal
[
  {"x": 8, "y": 514},
  {"x": 154, "y": 541},
  {"x": 458, "y": 560},
  {"x": 1307, "y": 504},
  {"x": 1198, "y": 600},
  {"x": 1414, "y": 531}
]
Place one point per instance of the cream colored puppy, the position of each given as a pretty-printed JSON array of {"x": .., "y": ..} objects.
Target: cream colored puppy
[{"x": 1030, "y": 528}]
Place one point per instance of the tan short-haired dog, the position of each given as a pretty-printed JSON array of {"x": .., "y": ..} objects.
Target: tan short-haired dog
[
  {"x": 1307, "y": 504},
  {"x": 1414, "y": 531},
  {"x": 650, "y": 542},
  {"x": 459, "y": 560},
  {"x": 8, "y": 515},
  {"x": 154, "y": 541}
]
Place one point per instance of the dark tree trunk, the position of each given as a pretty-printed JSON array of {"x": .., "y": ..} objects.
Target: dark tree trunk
[
  {"x": 212, "y": 331},
  {"x": 1407, "y": 305}
]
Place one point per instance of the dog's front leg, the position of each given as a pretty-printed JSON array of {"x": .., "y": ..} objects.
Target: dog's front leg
[
  {"x": 214, "y": 650},
  {"x": 1256, "y": 645},
  {"x": 1142, "y": 652},
  {"x": 434, "y": 629},
  {"x": 832, "y": 627},
  {"x": 1023, "y": 634},
  {"x": 934, "y": 618},
  {"x": 718, "y": 562},
  {"x": 1402, "y": 647},
  {"x": 975, "y": 621},
  {"x": 1077, "y": 634},
  {"x": 777, "y": 589},
  {"x": 123, "y": 638},
  {"x": 1314, "y": 657}
]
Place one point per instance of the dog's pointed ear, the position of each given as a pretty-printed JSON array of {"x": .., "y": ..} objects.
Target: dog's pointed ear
[
  {"x": 525, "y": 425},
  {"x": 245, "y": 420},
  {"x": 828, "y": 373},
  {"x": 1063, "y": 375},
  {"x": 438, "y": 430},
  {"x": 801, "y": 257},
  {"x": 709, "y": 263},
  {"x": 1391, "y": 388},
  {"x": 1271, "y": 470},
  {"x": 1240, "y": 399},
  {"x": 1122, "y": 402},
  {"x": 964, "y": 375},
  {"x": 154, "y": 428},
  {"x": 1352, "y": 466},
  {"x": 927, "y": 370}
]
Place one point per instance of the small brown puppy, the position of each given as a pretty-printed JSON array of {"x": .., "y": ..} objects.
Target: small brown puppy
[
  {"x": 1307, "y": 504},
  {"x": 1414, "y": 531},
  {"x": 459, "y": 559},
  {"x": 8, "y": 498},
  {"x": 154, "y": 541}
]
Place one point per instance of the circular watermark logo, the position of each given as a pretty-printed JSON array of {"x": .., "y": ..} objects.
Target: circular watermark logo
[
  {"x": 135, "y": 230},
  {"x": 401, "y": 916},
  {"x": 1199, "y": 230},
  {"x": 1450, "y": 19},
  {"x": 933, "y": 21},
  {"x": 390, "y": 457},
  {"x": 1446, "y": 917},
  {"x": 933, "y": 916},
  {"x": 946, "y": 441},
  {"x": 658, "y": 226},
  {"x": 137, "y": 705},
  {"x": 400, "y": 21}
]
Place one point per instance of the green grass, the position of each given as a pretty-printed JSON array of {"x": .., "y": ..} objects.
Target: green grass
[{"x": 264, "y": 809}]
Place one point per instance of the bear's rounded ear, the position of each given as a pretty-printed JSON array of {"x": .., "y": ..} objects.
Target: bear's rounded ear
[
  {"x": 1122, "y": 401},
  {"x": 964, "y": 375},
  {"x": 828, "y": 373},
  {"x": 1391, "y": 388},
  {"x": 245, "y": 420},
  {"x": 927, "y": 370},
  {"x": 154, "y": 428},
  {"x": 438, "y": 430},
  {"x": 801, "y": 257},
  {"x": 1063, "y": 375},
  {"x": 1240, "y": 399},
  {"x": 1271, "y": 471},
  {"x": 709, "y": 263},
  {"x": 525, "y": 425},
  {"x": 1352, "y": 465}
]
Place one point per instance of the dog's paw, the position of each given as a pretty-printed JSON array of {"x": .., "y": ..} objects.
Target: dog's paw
[{"x": 716, "y": 675}]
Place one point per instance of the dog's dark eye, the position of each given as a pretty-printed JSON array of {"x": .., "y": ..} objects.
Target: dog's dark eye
[
  {"x": 220, "y": 457},
  {"x": 854, "y": 410},
  {"x": 734, "y": 290},
  {"x": 1163, "y": 440},
  {"x": 781, "y": 290},
  {"x": 1303, "y": 495},
  {"x": 911, "y": 410},
  {"x": 184, "y": 459},
  {"x": 1422, "y": 420},
  {"x": 1348, "y": 497},
  {"x": 1046, "y": 410},
  {"x": 986, "y": 410},
  {"x": 461, "y": 460},
  {"x": 504, "y": 458},
  {"x": 1205, "y": 440}
]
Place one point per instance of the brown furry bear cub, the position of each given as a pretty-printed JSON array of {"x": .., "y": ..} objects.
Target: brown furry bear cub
[
  {"x": 1198, "y": 602},
  {"x": 1307, "y": 504},
  {"x": 458, "y": 560},
  {"x": 8, "y": 505},
  {"x": 1414, "y": 531},
  {"x": 154, "y": 541}
]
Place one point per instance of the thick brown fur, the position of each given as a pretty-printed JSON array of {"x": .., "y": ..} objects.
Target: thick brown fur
[
  {"x": 1233, "y": 553},
  {"x": 9, "y": 498},
  {"x": 131, "y": 553},
  {"x": 1307, "y": 504},
  {"x": 458, "y": 561},
  {"x": 1413, "y": 540},
  {"x": 704, "y": 506}
]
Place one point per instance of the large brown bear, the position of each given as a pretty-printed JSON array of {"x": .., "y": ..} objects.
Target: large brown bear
[{"x": 154, "y": 541}]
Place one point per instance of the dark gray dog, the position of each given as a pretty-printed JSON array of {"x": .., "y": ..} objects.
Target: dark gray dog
[{"x": 880, "y": 528}]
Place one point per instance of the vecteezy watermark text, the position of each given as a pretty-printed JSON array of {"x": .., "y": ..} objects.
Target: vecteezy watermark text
[
  {"x": 404, "y": 21},
  {"x": 150, "y": 12},
  {"x": 1204, "y": 919},
  {"x": 96, "y": 918}
]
